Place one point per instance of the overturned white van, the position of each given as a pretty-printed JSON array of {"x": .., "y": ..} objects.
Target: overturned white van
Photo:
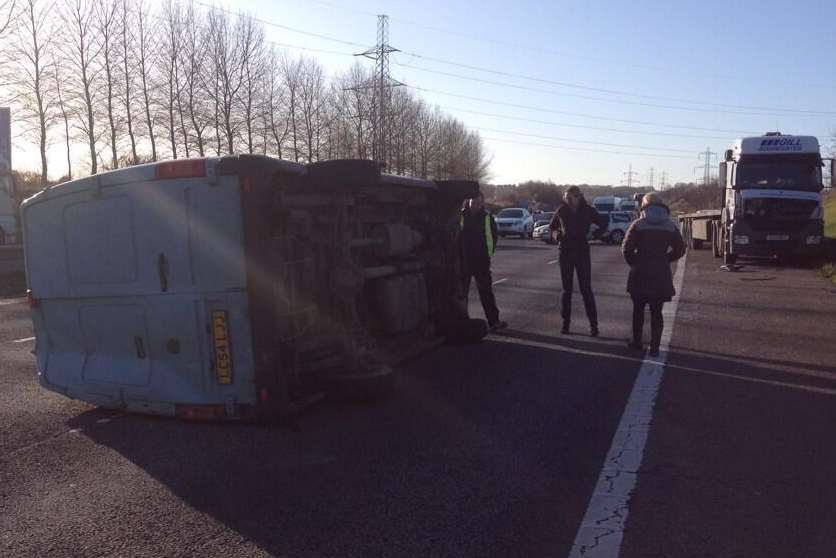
[{"x": 236, "y": 287}]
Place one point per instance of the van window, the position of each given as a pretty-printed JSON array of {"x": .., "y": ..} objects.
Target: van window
[
  {"x": 510, "y": 214},
  {"x": 100, "y": 242}
]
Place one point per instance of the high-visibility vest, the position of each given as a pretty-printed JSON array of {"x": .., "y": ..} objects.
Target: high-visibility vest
[{"x": 488, "y": 232}]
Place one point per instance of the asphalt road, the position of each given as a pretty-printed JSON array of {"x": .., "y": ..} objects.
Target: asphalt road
[{"x": 487, "y": 450}]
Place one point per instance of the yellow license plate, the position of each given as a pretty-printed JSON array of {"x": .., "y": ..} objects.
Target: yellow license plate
[{"x": 223, "y": 354}]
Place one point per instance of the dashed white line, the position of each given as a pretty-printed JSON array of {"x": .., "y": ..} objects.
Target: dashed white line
[
  {"x": 24, "y": 340},
  {"x": 498, "y": 281},
  {"x": 10, "y": 301},
  {"x": 602, "y": 529}
]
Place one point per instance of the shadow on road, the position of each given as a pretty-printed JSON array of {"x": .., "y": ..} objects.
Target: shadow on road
[{"x": 491, "y": 449}]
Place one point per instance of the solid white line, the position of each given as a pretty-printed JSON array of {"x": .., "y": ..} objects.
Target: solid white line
[
  {"x": 552, "y": 262},
  {"x": 602, "y": 528},
  {"x": 24, "y": 340},
  {"x": 498, "y": 281}
]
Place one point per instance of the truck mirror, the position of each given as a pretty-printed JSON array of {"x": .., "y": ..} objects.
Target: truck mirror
[{"x": 729, "y": 155}]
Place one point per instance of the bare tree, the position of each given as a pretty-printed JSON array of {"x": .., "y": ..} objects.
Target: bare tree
[
  {"x": 7, "y": 14},
  {"x": 64, "y": 108},
  {"x": 227, "y": 67},
  {"x": 147, "y": 44},
  {"x": 127, "y": 47},
  {"x": 31, "y": 69},
  {"x": 108, "y": 19},
  {"x": 197, "y": 80},
  {"x": 250, "y": 42},
  {"x": 83, "y": 51},
  {"x": 292, "y": 70},
  {"x": 274, "y": 113},
  {"x": 170, "y": 65}
]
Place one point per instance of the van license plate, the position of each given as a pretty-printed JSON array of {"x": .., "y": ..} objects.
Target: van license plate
[
  {"x": 223, "y": 354},
  {"x": 777, "y": 237}
]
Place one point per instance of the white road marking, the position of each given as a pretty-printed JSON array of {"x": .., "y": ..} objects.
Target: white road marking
[
  {"x": 552, "y": 262},
  {"x": 602, "y": 529},
  {"x": 24, "y": 340},
  {"x": 498, "y": 281},
  {"x": 10, "y": 301}
]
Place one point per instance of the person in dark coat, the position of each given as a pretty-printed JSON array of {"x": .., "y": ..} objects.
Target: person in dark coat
[
  {"x": 479, "y": 236},
  {"x": 651, "y": 245},
  {"x": 570, "y": 225}
]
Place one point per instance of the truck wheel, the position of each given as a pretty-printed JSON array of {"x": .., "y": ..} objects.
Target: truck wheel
[{"x": 617, "y": 237}]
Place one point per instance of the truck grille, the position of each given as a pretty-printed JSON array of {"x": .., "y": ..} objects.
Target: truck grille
[{"x": 778, "y": 214}]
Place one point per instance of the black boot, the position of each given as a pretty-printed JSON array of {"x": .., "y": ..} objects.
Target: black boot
[
  {"x": 565, "y": 329},
  {"x": 655, "y": 341},
  {"x": 593, "y": 330}
]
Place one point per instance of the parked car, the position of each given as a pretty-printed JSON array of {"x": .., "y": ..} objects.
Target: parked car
[
  {"x": 619, "y": 222},
  {"x": 541, "y": 230},
  {"x": 515, "y": 221}
]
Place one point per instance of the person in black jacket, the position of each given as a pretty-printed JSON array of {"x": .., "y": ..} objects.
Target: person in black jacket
[
  {"x": 651, "y": 245},
  {"x": 571, "y": 224},
  {"x": 479, "y": 235}
]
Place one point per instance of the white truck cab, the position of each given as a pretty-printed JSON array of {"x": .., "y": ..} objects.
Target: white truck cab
[{"x": 772, "y": 202}]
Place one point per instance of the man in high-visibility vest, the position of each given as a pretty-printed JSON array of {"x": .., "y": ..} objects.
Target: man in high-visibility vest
[{"x": 479, "y": 235}]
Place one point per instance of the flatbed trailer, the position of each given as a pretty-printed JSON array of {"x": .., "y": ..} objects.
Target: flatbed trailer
[{"x": 701, "y": 228}]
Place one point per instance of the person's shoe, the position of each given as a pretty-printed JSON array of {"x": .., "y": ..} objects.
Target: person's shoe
[
  {"x": 565, "y": 329},
  {"x": 593, "y": 331},
  {"x": 635, "y": 345},
  {"x": 654, "y": 351},
  {"x": 498, "y": 325}
]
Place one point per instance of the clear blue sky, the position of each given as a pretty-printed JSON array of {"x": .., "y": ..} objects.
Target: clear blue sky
[{"x": 762, "y": 54}]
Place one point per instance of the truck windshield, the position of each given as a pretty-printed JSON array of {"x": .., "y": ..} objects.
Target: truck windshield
[{"x": 779, "y": 176}]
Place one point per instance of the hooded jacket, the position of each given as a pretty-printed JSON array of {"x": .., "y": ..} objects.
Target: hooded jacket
[{"x": 651, "y": 245}]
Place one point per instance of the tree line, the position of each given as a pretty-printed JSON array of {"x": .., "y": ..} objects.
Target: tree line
[{"x": 133, "y": 83}]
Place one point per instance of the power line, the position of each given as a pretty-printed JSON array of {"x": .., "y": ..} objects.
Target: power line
[
  {"x": 581, "y": 126},
  {"x": 562, "y": 53},
  {"x": 577, "y": 114},
  {"x": 629, "y": 176},
  {"x": 574, "y": 140},
  {"x": 601, "y": 90},
  {"x": 650, "y": 180},
  {"x": 707, "y": 155},
  {"x": 591, "y": 98},
  {"x": 572, "y": 148},
  {"x": 383, "y": 87},
  {"x": 797, "y": 112}
]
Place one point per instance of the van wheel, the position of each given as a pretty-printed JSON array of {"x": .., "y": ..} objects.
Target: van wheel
[{"x": 617, "y": 237}]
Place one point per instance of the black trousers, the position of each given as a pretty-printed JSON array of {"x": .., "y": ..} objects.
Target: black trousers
[
  {"x": 569, "y": 264},
  {"x": 657, "y": 322},
  {"x": 481, "y": 272}
]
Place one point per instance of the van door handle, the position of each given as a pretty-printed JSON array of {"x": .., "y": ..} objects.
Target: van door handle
[
  {"x": 140, "y": 347},
  {"x": 162, "y": 269}
]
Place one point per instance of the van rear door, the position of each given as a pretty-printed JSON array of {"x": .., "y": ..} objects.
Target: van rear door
[{"x": 127, "y": 269}]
